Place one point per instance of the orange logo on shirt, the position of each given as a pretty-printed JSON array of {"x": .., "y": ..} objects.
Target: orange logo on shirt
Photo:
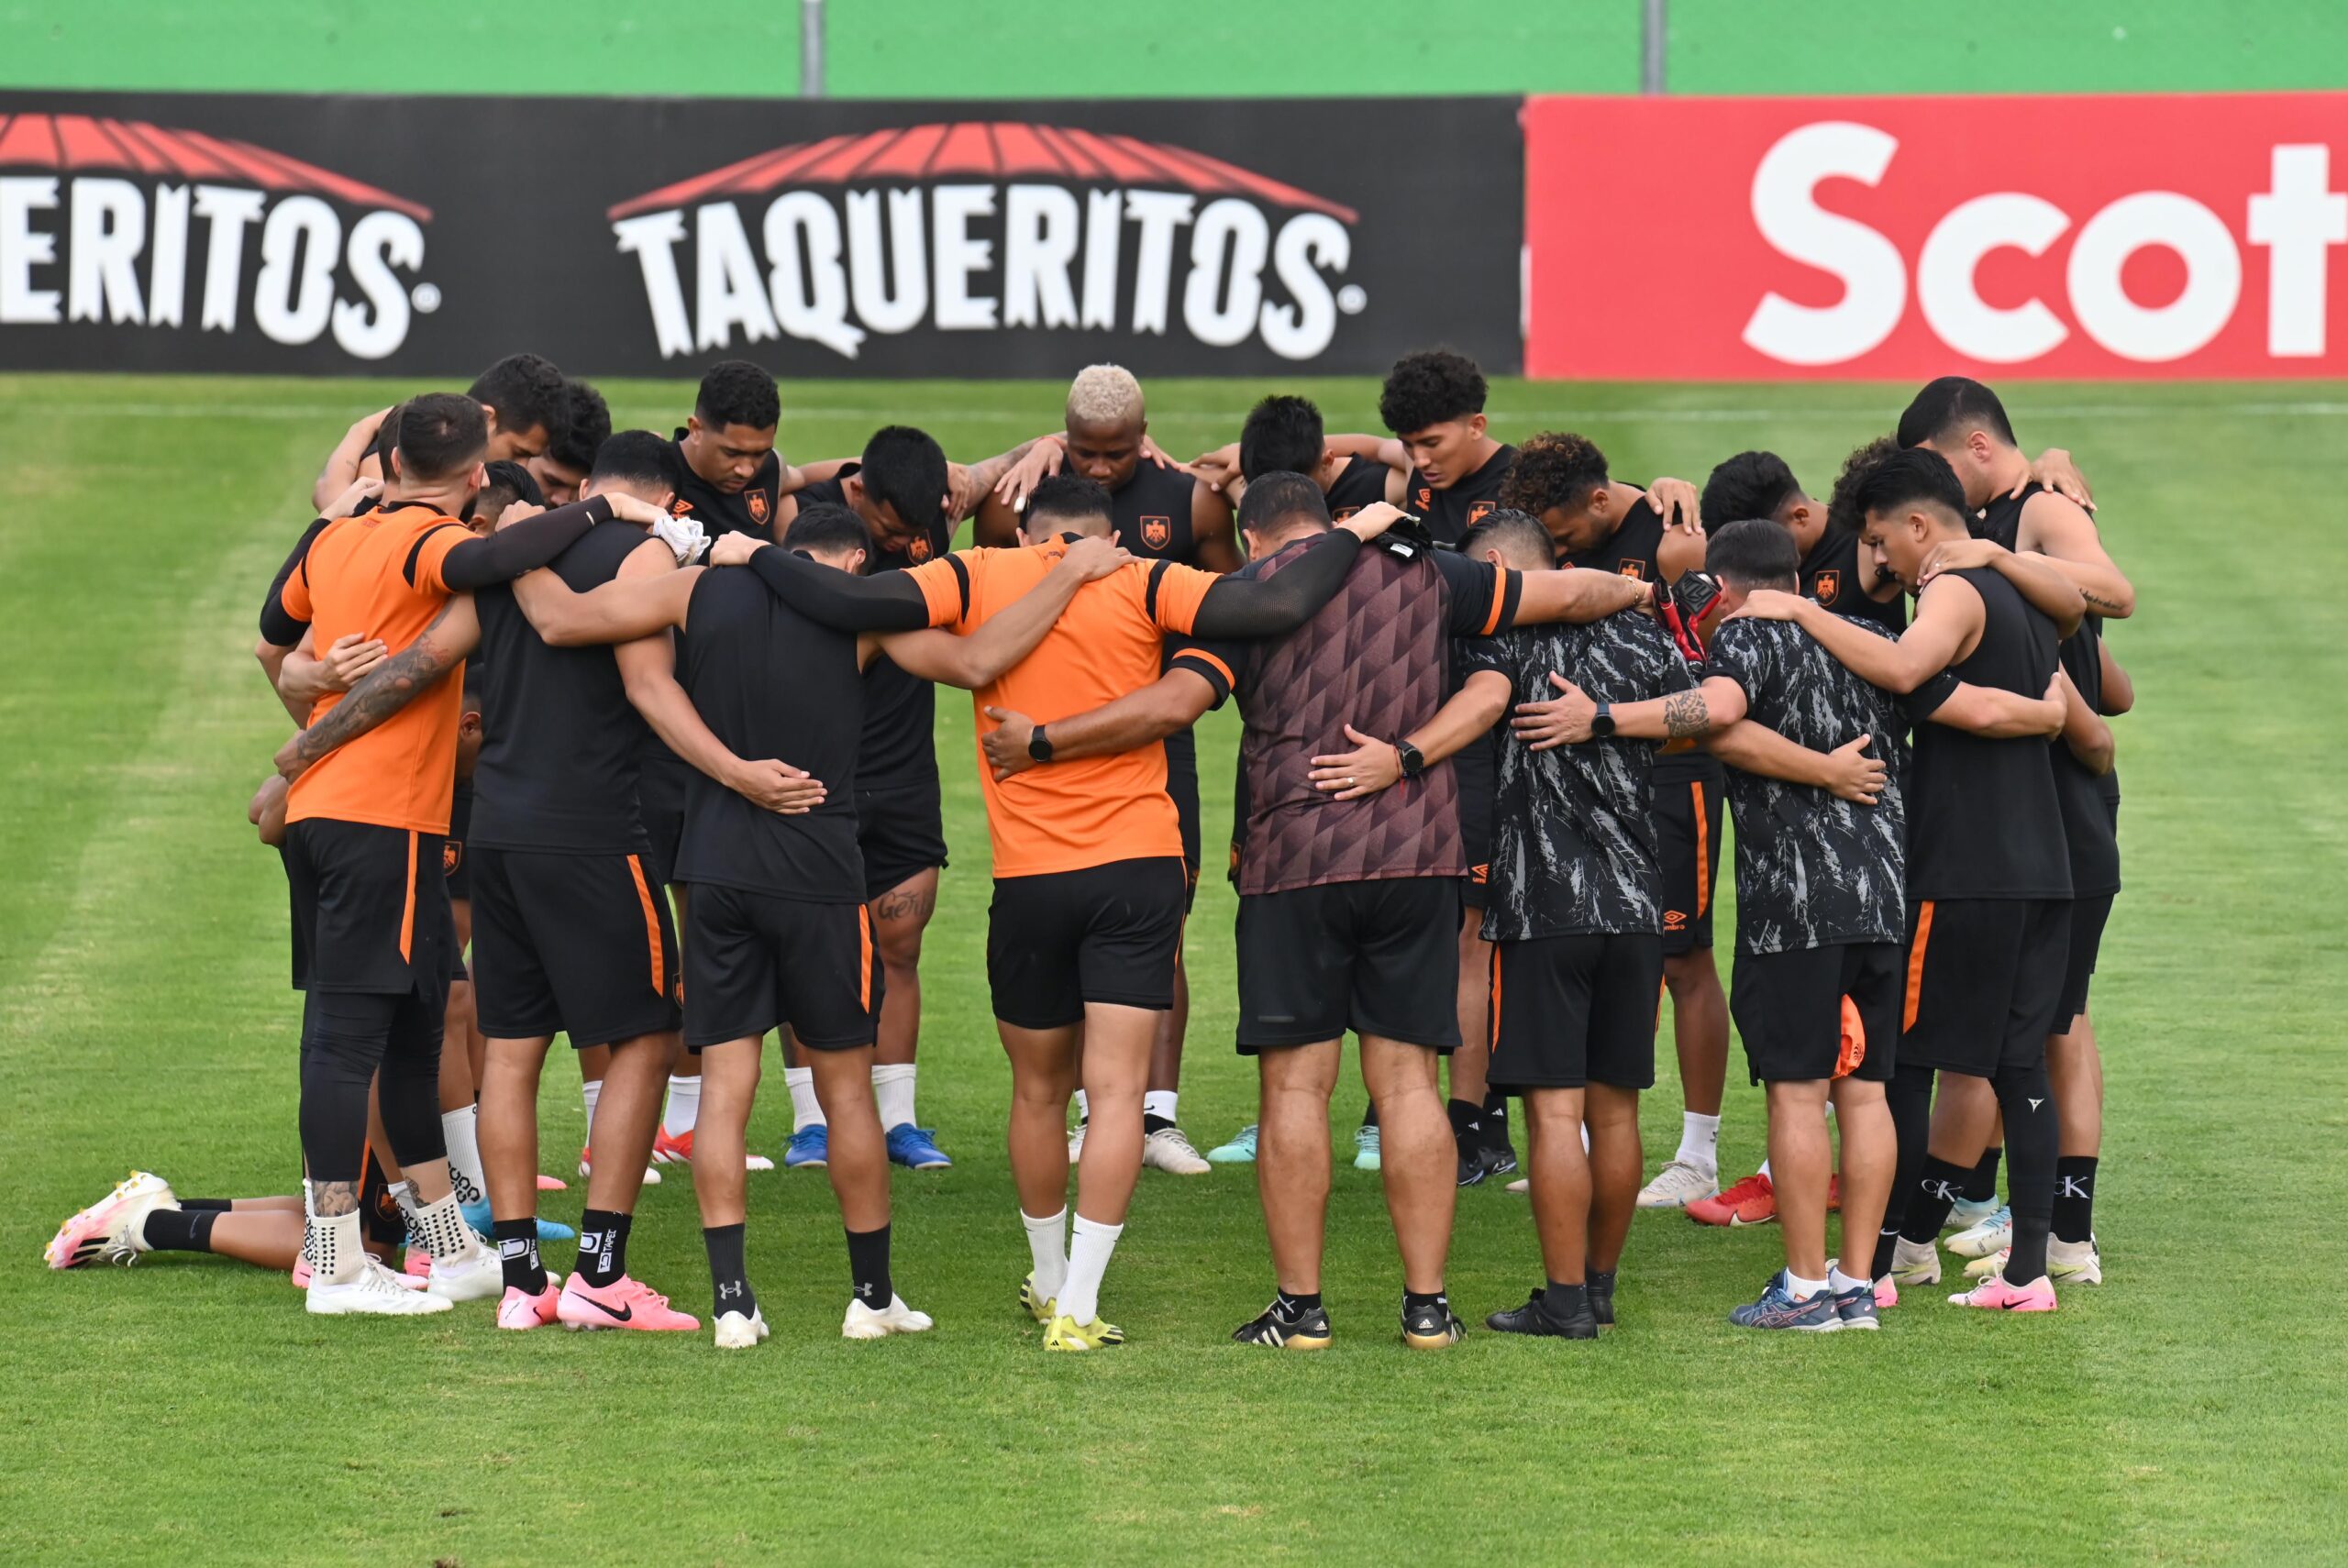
[
  {"x": 758, "y": 499},
  {"x": 1829, "y": 584},
  {"x": 1156, "y": 531},
  {"x": 1479, "y": 511},
  {"x": 919, "y": 549},
  {"x": 1674, "y": 921},
  {"x": 1480, "y": 875},
  {"x": 452, "y": 854},
  {"x": 1426, "y": 498},
  {"x": 678, "y": 507},
  {"x": 1634, "y": 569}
]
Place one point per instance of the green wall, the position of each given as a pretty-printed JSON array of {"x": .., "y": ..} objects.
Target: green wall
[{"x": 938, "y": 49}]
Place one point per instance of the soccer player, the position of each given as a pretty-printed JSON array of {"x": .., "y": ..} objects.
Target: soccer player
[
  {"x": 1161, "y": 511},
  {"x": 1989, "y": 880},
  {"x": 1599, "y": 523},
  {"x": 1965, "y": 422},
  {"x": 525, "y": 401},
  {"x": 782, "y": 935},
  {"x": 563, "y": 467},
  {"x": 365, "y": 828},
  {"x": 1759, "y": 484},
  {"x": 901, "y": 490}
]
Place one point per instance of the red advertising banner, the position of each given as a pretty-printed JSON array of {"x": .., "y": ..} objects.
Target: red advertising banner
[{"x": 2109, "y": 238}]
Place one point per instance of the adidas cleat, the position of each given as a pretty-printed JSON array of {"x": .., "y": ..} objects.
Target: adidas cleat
[
  {"x": 1305, "y": 1330},
  {"x": 112, "y": 1227},
  {"x": 1432, "y": 1327},
  {"x": 1065, "y": 1333}
]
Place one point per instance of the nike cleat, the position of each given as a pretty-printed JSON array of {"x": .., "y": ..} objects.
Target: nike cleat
[
  {"x": 112, "y": 1227},
  {"x": 1431, "y": 1326},
  {"x": 810, "y": 1148},
  {"x": 1534, "y": 1318},
  {"x": 1886, "y": 1294},
  {"x": 1065, "y": 1333},
  {"x": 1994, "y": 1232},
  {"x": 552, "y": 1183},
  {"x": 1169, "y": 1150},
  {"x": 2073, "y": 1263},
  {"x": 1963, "y": 1214},
  {"x": 1677, "y": 1184},
  {"x": 1994, "y": 1294},
  {"x": 1856, "y": 1306},
  {"x": 1039, "y": 1309},
  {"x": 1304, "y": 1331},
  {"x": 1915, "y": 1263},
  {"x": 1480, "y": 1161},
  {"x": 624, "y": 1303},
  {"x": 473, "y": 1275},
  {"x": 1778, "y": 1307},
  {"x": 916, "y": 1148},
  {"x": 1365, "y": 1151},
  {"x": 520, "y": 1310},
  {"x": 865, "y": 1323},
  {"x": 376, "y": 1291},
  {"x": 1753, "y": 1201},
  {"x": 678, "y": 1151},
  {"x": 587, "y": 1164},
  {"x": 477, "y": 1215},
  {"x": 736, "y": 1332},
  {"x": 1240, "y": 1151}
]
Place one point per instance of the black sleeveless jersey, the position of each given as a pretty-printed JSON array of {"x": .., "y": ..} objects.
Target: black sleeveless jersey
[
  {"x": 1152, "y": 514},
  {"x": 1448, "y": 514},
  {"x": 2089, "y": 826},
  {"x": 770, "y": 682},
  {"x": 1361, "y": 482},
  {"x": 1633, "y": 551},
  {"x": 1836, "y": 574},
  {"x": 558, "y": 768},
  {"x": 1984, "y": 820},
  {"x": 750, "y": 510}
]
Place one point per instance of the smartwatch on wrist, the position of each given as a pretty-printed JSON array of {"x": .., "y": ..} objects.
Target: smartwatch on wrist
[
  {"x": 1413, "y": 761},
  {"x": 1601, "y": 722},
  {"x": 1038, "y": 747}
]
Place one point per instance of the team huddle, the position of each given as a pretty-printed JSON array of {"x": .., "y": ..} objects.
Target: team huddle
[{"x": 631, "y": 739}]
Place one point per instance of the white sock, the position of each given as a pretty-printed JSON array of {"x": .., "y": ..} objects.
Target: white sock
[
  {"x": 1159, "y": 1102},
  {"x": 684, "y": 1105},
  {"x": 1088, "y": 1259},
  {"x": 440, "y": 1228},
  {"x": 892, "y": 1092},
  {"x": 1083, "y": 1111},
  {"x": 335, "y": 1248},
  {"x": 1765, "y": 1168},
  {"x": 1830, "y": 1111},
  {"x": 589, "y": 1089},
  {"x": 461, "y": 1130},
  {"x": 1700, "y": 1143},
  {"x": 805, "y": 1110},
  {"x": 1804, "y": 1289},
  {"x": 1839, "y": 1282},
  {"x": 405, "y": 1195},
  {"x": 1048, "y": 1247}
]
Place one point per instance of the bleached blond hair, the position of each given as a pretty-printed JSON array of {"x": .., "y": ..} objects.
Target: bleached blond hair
[{"x": 1104, "y": 394}]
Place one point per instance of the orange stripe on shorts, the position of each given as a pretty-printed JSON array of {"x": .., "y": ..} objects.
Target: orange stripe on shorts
[
  {"x": 1916, "y": 964},
  {"x": 407, "y": 911},
  {"x": 1703, "y": 850},
  {"x": 651, "y": 927},
  {"x": 864, "y": 952}
]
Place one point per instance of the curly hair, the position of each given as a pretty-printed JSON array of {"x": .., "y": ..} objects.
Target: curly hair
[
  {"x": 1553, "y": 469},
  {"x": 1844, "y": 514},
  {"x": 736, "y": 391},
  {"x": 1428, "y": 388},
  {"x": 589, "y": 427}
]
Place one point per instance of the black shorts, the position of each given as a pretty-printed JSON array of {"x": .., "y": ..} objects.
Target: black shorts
[
  {"x": 1984, "y": 982},
  {"x": 1182, "y": 784},
  {"x": 576, "y": 944},
  {"x": 371, "y": 905},
  {"x": 1374, "y": 958},
  {"x": 901, "y": 833},
  {"x": 1569, "y": 1012},
  {"x": 452, "y": 851},
  {"x": 1819, "y": 1012},
  {"x": 660, "y": 785},
  {"x": 2088, "y": 918},
  {"x": 1107, "y": 933},
  {"x": 760, "y": 961},
  {"x": 1688, "y": 841}
]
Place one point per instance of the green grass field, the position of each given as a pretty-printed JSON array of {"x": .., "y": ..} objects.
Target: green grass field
[{"x": 188, "y": 1411}]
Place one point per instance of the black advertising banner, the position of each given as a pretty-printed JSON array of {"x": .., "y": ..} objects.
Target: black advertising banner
[{"x": 425, "y": 236}]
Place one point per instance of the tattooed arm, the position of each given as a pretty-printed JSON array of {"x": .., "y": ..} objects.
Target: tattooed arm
[
  {"x": 392, "y": 685},
  {"x": 1564, "y": 719}
]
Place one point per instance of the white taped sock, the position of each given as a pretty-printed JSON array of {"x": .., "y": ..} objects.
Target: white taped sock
[
  {"x": 1047, "y": 1249},
  {"x": 460, "y": 1129},
  {"x": 684, "y": 1105},
  {"x": 1700, "y": 1143},
  {"x": 1088, "y": 1248},
  {"x": 892, "y": 1094},
  {"x": 441, "y": 1227},
  {"x": 1160, "y": 1102},
  {"x": 337, "y": 1251},
  {"x": 805, "y": 1110}
]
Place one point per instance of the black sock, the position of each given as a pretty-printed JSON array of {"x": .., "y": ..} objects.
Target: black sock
[
  {"x": 1884, "y": 1241},
  {"x": 1981, "y": 1186},
  {"x": 602, "y": 1246},
  {"x": 1295, "y": 1305},
  {"x": 177, "y": 1231},
  {"x": 867, "y": 1267},
  {"x": 517, "y": 1254},
  {"x": 207, "y": 1205},
  {"x": 2034, "y": 1142},
  {"x": 2075, "y": 1198},
  {"x": 1564, "y": 1302},
  {"x": 1412, "y": 1300},
  {"x": 729, "y": 1277},
  {"x": 1369, "y": 1114},
  {"x": 1934, "y": 1196},
  {"x": 1465, "y": 1114},
  {"x": 1154, "y": 1123},
  {"x": 1495, "y": 1119}
]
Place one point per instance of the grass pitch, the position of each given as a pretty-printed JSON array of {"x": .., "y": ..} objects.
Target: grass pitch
[{"x": 188, "y": 1411}]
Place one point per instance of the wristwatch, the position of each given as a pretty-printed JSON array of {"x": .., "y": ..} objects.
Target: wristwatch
[
  {"x": 1039, "y": 747},
  {"x": 1601, "y": 722},
  {"x": 1415, "y": 762}
]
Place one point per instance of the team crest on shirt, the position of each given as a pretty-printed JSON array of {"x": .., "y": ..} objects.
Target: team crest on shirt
[
  {"x": 1637, "y": 570},
  {"x": 1479, "y": 511},
  {"x": 1426, "y": 497},
  {"x": 758, "y": 507},
  {"x": 1829, "y": 584},
  {"x": 1156, "y": 531},
  {"x": 918, "y": 551},
  {"x": 452, "y": 854}
]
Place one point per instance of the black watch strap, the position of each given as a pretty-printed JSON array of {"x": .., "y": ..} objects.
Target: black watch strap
[
  {"x": 1413, "y": 761},
  {"x": 1039, "y": 745}
]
